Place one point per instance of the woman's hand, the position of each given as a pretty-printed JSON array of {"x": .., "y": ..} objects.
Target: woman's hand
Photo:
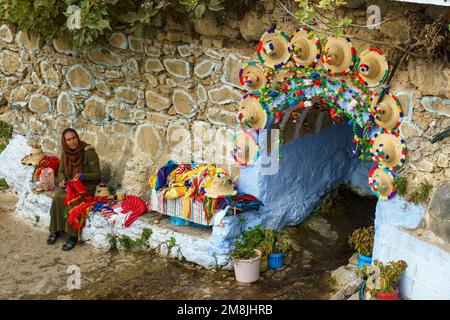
[
  {"x": 76, "y": 177},
  {"x": 62, "y": 184}
]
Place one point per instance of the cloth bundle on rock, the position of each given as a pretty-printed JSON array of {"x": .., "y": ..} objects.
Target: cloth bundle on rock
[
  {"x": 134, "y": 207},
  {"x": 240, "y": 202},
  {"x": 47, "y": 179},
  {"x": 46, "y": 162},
  {"x": 77, "y": 201},
  {"x": 205, "y": 184},
  {"x": 79, "y": 204},
  {"x": 40, "y": 161}
]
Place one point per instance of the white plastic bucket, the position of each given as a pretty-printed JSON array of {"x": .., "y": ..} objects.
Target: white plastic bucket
[{"x": 247, "y": 271}]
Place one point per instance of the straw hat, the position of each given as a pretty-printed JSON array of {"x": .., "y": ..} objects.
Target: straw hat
[
  {"x": 381, "y": 181},
  {"x": 102, "y": 190},
  {"x": 34, "y": 157},
  {"x": 219, "y": 186},
  {"x": 388, "y": 150},
  {"x": 339, "y": 55},
  {"x": 305, "y": 52},
  {"x": 252, "y": 76},
  {"x": 245, "y": 149},
  {"x": 252, "y": 113},
  {"x": 372, "y": 68},
  {"x": 388, "y": 113},
  {"x": 273, "y": 49}
]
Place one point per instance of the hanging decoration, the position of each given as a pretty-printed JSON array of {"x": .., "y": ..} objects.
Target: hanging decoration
[{"x": 298, "y": 73}]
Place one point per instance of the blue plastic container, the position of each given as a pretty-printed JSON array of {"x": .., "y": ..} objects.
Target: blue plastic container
[
  {"x": 178, "y": 221},
  {"x": 276, "y": 260},
  {"x": 201, "y": 226},
  {"x": 362, "y": 260}
]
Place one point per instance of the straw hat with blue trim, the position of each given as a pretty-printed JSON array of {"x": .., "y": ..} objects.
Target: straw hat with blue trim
[
  {"x": 372, "y": 68},
  {"x": 381, "y": 181},
  {"x": 245, "y": 149},
  {"x": 339, "y": 56},
  {"x": 388, "y": 113},
  {"x": 252, "y": 114},
  {"x": 388, "y": 150},
  {"x": 102, "y": 190},
  {"x": 220, "y": 186},
  {"x": 252, "y": 76},
  {"x": 273, "y": 49},
  {"x": 305, "y": 51}
]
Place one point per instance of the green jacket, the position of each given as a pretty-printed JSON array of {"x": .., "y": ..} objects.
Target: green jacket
[{"x": 91, "y": 167}]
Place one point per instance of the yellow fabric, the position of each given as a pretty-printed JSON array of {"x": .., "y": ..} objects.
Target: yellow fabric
[
  {"x": 152, "y": 181},
  {"x": 186, "y": 203},
  {"x": 177, "y": 187}
]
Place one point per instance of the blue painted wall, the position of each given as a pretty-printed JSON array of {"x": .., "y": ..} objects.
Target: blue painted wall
[
  {"x": 309, "y": 168},
  {"x": 428, "y": 273}
]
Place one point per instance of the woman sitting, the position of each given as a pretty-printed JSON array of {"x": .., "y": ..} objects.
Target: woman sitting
[{"x": 78, "y": 161}]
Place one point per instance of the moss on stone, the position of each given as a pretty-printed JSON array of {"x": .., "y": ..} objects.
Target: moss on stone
[{"x": 5, "y": 134}]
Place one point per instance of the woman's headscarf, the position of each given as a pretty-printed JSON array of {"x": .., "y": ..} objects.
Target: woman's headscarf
[{"x": 73, "y": 159}]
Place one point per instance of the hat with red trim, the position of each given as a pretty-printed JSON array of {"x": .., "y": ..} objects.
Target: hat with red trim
[{"x": 371, "y": 67}]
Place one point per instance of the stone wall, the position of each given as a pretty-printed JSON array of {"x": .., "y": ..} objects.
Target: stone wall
[
  {"x": 397, "y": 238},
  {"x": 127, "y": 96}
]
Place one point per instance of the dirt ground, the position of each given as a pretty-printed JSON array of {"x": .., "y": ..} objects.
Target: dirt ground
[{"x": 32, "y": 269}]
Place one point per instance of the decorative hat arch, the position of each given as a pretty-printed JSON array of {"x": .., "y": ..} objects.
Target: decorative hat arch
[{"x": 347, "y": 86}]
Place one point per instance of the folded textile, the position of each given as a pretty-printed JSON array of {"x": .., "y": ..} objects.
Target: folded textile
[
  {"x": 77, "y": 202},
  {"x": 46, "y": 162},
  {"x": 241, "y": 201},
  {"x": 163, "y": 174},
  {"x": 134, "y": 207},
  {"x": 205, "y": 183}
]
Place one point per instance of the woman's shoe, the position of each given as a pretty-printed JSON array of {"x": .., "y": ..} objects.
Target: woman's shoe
[
  {"x": 52, "y": 237},
  {"x": 70, "y": 244}
]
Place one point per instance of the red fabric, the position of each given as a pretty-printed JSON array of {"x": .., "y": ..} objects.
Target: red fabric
[
  {"x": 47, "y": 162},
  {"x": 134, "y": 206},
  {"x": 78, "y": 202}
]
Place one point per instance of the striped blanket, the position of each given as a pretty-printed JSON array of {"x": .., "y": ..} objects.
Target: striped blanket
[{"x": 172, "y": 207}]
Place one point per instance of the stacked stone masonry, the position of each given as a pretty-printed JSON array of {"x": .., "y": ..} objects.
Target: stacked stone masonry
[
  {"x": 125, "y": 96},
  {"x": 141, "y": 102}
]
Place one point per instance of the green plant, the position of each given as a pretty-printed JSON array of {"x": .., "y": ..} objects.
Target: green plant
[
  {"x": 37, "y": 219},
  {"x": 423, "y": 193},
  {"x": 253, "y": 237},
  {"x": 172, "y": 242},
  {"x": 146, "y": 234},
  {"x": 310, "y": 286},
  {"x": 112, "y": 240},
  {"x": 275, "y": 242},
  {"x": 400, "y": 184},
  {"x": 380, "y": 277},
  {"x": 361, "y": 240},
  {"x": 127, "y": 243},
  {"x": 281, "y": 243},
  {"x": 265, "y": 240},
  {"x": 242, "y": 250},
  {"x": 48, "y": 18},
  {"x": 244, "y": 246},
  {"x": 3, "y": 184},
  {"x": 268, "y": 242},
  {"x": 308, "y": 11},
  {"x": 5, "y": 134}
]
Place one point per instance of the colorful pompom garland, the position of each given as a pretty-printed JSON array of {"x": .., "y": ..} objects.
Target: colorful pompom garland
[{"x": 287, "y": 86}]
